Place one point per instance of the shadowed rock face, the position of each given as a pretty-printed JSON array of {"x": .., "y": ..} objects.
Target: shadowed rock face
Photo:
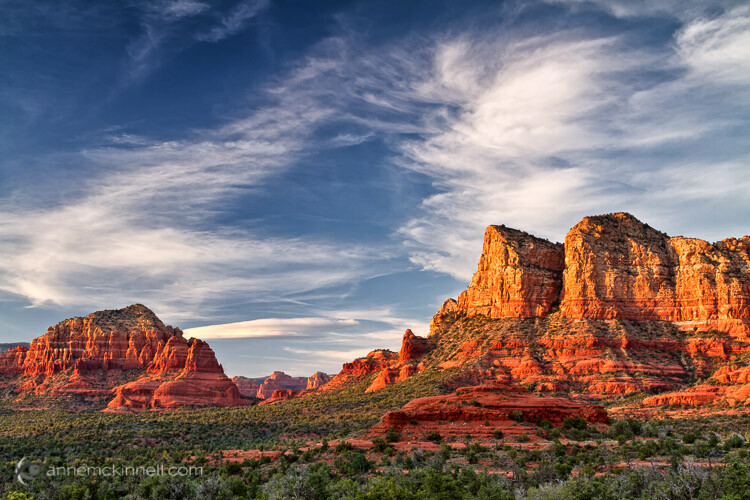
[
  {"x": 612, "y": 267},
  {"x": 93, "y": 355}
]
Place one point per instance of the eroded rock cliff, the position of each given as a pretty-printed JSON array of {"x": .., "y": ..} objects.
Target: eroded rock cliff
[
  {"x": 618, "y": 267},
  {"x": 518, "y": 275}
]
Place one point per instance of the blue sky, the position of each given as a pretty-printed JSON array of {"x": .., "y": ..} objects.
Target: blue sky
[{"x": 319, "y": 174}]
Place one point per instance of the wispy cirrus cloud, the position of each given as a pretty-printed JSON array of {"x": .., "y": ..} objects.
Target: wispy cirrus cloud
[
  {"x": 144, "y": 227},
  {"x": 536, "y": 132},
  {"x": 166, "y": 28}
]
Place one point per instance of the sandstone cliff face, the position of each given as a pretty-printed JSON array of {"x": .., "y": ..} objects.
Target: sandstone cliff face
[
  {"x": 93, "y": 355},
  {"x": 248, "y": 387},
  {"x": 183, "y": 373},
  {"x": 611, "y": 266},
  {"x": 518, "y": 275},
  {"x": 11, "y": 361},
  {"x": 618, "y": 267},
  {"x": 374, "y": 362}
]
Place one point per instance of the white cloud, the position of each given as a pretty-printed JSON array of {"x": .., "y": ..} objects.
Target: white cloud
[
  {"x": 182, "y": 8},
  {"x": 272, "y": 327}
]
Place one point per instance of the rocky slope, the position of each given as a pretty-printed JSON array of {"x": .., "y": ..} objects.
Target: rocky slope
[{"x": 127, "y": 352}]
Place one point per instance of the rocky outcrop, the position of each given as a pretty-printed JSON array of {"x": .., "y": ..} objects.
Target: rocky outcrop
[
  {"x": 618, "y": 267},
  {"x": 412, "y": 347},
  {"x": 248, "y": 387},
  {"x": 11, "y": 361},
  {"x": 447, "y": 311},
  {"x": 398, "y": 369},
  {"x": 729, "y": 386},
  {"x": 518, "y": 275},
  {"x": 317, "y": 380},
  {"x": 8, "y": 346},
  {"x": 374, "y": 362},
  {"x": 280, "y": 395},
  {"x": 480, "y": 410}
]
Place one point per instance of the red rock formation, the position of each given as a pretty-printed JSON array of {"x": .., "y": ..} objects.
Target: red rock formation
[
  {"x": 479, "y": 410},
  {"x": 447, "y": 310},
  {"x": 614, "y": 266},
  {"x": 412, "y": 347},
  {"x": 518, "y": 275},
  {"x": 280, "y": 380},
  {"x": 375, "y": 361},
  {"x": 618, "y": 267},
  {"x": 317, "y": 380},
  {"x": 280, "y": 395},
  {"x": 11, "y": 361},
  {"x": 248, "y": 387},
  {"x": 113, "y": 339},
  {"x": 399, "y": 369}
]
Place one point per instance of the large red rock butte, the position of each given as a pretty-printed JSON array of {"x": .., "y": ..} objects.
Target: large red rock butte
[
  {"x": 613, "y": 267},
  {"x": 93, "y": 355},
  {"x": 480, "y": 410}
]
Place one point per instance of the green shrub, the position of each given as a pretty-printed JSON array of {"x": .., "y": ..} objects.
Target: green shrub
[{"x": 434, "y": 436}]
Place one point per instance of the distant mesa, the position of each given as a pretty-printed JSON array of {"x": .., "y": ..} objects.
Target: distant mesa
[{"x": 264, "y": 388}]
